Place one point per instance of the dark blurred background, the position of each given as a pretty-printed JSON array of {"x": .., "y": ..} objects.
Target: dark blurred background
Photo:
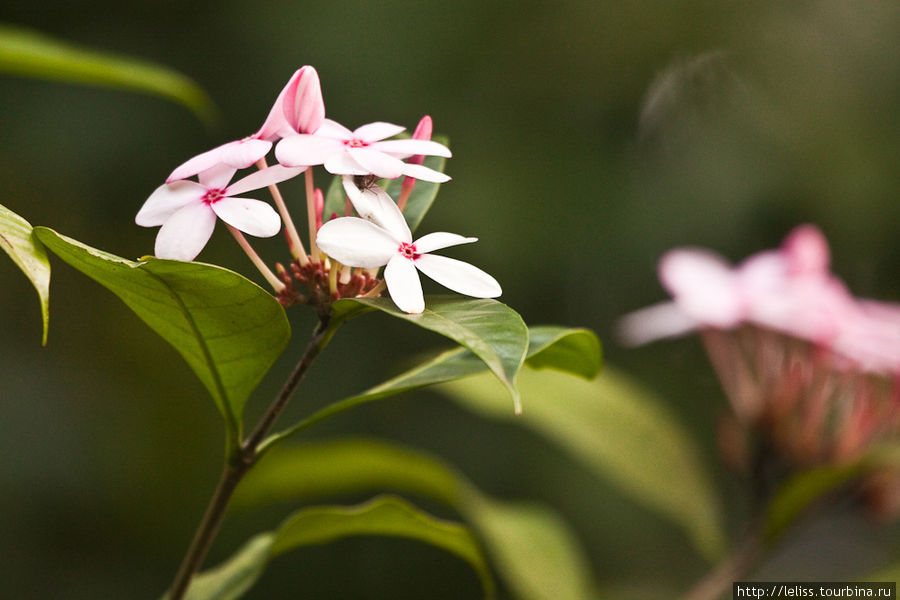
[{"x": 588, "y": 138}]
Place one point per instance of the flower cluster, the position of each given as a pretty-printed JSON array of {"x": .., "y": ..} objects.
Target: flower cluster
[
  {"x": 814, "y": 369},
  {"x": 354, "y": 247}
]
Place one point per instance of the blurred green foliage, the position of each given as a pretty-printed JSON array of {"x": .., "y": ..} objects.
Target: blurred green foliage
[{"x": 588, "y": 138}]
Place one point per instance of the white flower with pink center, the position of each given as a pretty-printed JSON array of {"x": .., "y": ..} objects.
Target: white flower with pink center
[
  {"x": 187, "y": 210},
  {"x": 364, "y": 151},
  {"x": 386, "y": 241}
]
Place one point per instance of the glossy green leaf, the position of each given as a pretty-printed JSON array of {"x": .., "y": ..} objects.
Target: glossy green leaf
[
  {"x": 620, "y": 432},
  {"x": 805, "y": 488},
  {"x": 227, "y": 328},
  {"x": 420, "y": 199},
  {"x": 32, "y": 54},
  {"x": 494, "y": 332},
  {"x": 550, "y": 346},
  {"x": 530, "y": 546},
  {"x": 423, "y": 195},
  {"x": 381, "y": 516},
  {"x": 28, "y": 253}
]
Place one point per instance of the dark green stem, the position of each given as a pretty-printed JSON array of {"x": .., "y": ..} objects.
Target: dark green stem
[{"x": 238, "y": 465}]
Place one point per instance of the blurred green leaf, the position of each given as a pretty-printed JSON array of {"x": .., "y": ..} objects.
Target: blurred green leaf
[
  {"x": 383, "y": 516},
  {"x": 531, "y": 547},
  {"x": 423, "y": 195},
  {"x": 618, "y": 430},
  {"x": 28, "y": 253},
  {"x": 227, "y": 328},
  {"x": 420, "y": 199},
  {"x": 494, "y": 332},
  {"x": 807, "y": 487},
  {"x": 461, "y": 362},
  {"x": 32, "y": 54}
]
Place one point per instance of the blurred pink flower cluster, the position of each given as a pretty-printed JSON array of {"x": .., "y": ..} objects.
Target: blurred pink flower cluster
[
  {"x": 187, "y": 211},
  {"x": 814, "y": 369}
]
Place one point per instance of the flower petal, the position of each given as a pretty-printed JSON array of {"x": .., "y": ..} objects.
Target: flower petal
[
  {"x": 357, "y": 243},
  {"x": 375, "y": 205},
  {"x": 184, "y": 235},
  {"x": 703, "y": 285},
  {"x": 441, "y": 239},
  {"x": 377, "y": 131},
  {"x": 166, "y": 200},
  {"x": 304, "y": 108},
  {"x": 343, "y": 164},
  {"x": 655, "y": 322},
  {"x": 424, "y": 173},
  {"x": 334, "y": 130},
  {"x": 403, "y": 285},
  {"x": 238, "y": 154},
  {"x": 305, "y": 150},
  {"x": 250, "y": 216},
  {"x": 217, "y": 176},
  {"x": 377, "y": 163},
  {"x": 264, "y": 177},
  {"x": 458, "y": 276},
  {"x": 404, "y": 148},
  {"x": 276, "y": 125}
]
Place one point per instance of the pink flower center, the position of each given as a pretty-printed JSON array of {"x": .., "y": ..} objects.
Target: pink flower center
[
  {"x": 409, "y": 251},
  {"x": 213, "y": 195},
  {"x": 355, "y": 143}
]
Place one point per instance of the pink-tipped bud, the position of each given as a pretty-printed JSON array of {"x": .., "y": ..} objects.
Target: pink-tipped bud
[
  {"x": 299, "y": 107},
  {"x": 304, "y": 109},
  {"x": 806, "y": 250},
  {"x": 319, "y": 204},
  {"x": 422, "y": 132}
]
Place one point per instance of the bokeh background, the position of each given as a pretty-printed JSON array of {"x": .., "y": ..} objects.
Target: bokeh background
[{"x": 588, "y": 138}]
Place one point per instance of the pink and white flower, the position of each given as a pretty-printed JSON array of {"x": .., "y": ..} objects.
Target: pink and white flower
[
  {"x": 187, "y": 210},
  {"x": 298, "y": 109},
  {"x": 384, "y": 240},
  {"x": 364, "y": 151}
]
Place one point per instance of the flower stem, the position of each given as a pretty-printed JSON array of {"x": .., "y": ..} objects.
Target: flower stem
[
  {"x": 239, "y": 465},
  {"x": 718, "y": 581},
  {"x": 311, "y": 214},
  {"x": 294, "y": 241},
  {"x": 273, "y": 280}
]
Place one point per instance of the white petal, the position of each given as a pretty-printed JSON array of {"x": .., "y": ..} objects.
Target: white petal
[
  {"x": 424, "y": 173},
  {"x": 377, "y": 131},
  {"x": 342, "y": 163},
  {"x": 377, "y": 163},
  {"x": 404, "y": 148},
  {"x": 334, "y": 130},
  {"x": 440, "y": 239},
  {"x": 703, "y": 285},
  {"x": 357, "y": 242},
  {"x": 217, "y": 176},
  {"x": 166, "y": 200},
  {"x": 458, "y": 276},
  {"x": 186, "y": 232},
  {"x": 238, "y": 154},
  {"x": 305, "y": 150},
  {"x": 653, "y": 323},
  {"x": 264, "y": 177},
  {"x": 376, "y": 205},
  {"x": 403, "y": 285},
  {"x": 250, "y": 216}
]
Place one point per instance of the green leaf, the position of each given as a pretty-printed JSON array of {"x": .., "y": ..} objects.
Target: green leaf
[
  {"x": 619, "y": 431},
  {"x": 804, "y": 489},
  {"x": 494, "y": 332},
  {"x": 227, "y": 328},
  {"x": 32, "y": 54},
  {"x": 382, "y": 516},
  {"x": 423, "y": 195},
  {"x": 335, "y": 199},
  {"x": 550, "y": 346},
  {"x": 531, "y": 547},
  {"x": 28, "y": 253}
]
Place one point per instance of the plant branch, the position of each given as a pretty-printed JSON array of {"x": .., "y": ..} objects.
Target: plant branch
[
  {"x": 718, "y": 581},
  {"x": 238, "y": 466}
]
